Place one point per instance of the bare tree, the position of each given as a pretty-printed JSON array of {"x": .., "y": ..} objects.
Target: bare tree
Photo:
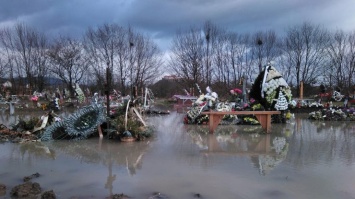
[
  {"x": 247, "y": 59},
  {"x": 106, "y": 48},
  {"x": 257, "y": 51},
  {"x": 131, "y": 60},
  {"x": 226, "y": 55},
  {"x": 187, "y": 56},
  {"x": 30, "y": 47},
  {"x": 264, "y": 47},
  {"x": 129, "y": 56},
  {"x": 148, "y": 61},
  {"x": 3, "y": 67},
  {"x": 5, "y": 55},
  {"x": 68, "y": 61},
  {"x": 335, "y": 73},
  {"x": 222, "y": 72},
  {"x": 305, "y": 50},
  {"x": 239, "y": 56},
  {"x": 10, "y": 56},
  {"x": 40, "y": 61},
  {"x": 211, "y": 33},
  {"x": 24, "y": 49},
  {"x": 282, "y": 62},
  {"x": 350, "y": 61},
  {"x": 270, "y": 45}
]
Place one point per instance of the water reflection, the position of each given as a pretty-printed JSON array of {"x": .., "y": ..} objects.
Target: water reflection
[
  {"x": 265, "y": 151},
  {"x": 95, "y": 151},
  {"x": 302, "y": 141},
  {"x": 34, "y": 150},
  {"x": 8, "y": 119},
  {"x": 323, "y": 142},
  {"x": 300, "y": 159}
]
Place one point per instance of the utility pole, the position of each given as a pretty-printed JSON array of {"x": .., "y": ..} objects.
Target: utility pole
[
  {"x": 244, "y": 93},
  {"x": 259, "y": 42},
  {"x": 207, "y": 61},
  {"x": 131, "y": 66},
  {"x": 107, "y": 92}
]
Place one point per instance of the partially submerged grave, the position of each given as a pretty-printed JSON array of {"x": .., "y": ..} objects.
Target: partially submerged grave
[{"x": 88, "y": 121}]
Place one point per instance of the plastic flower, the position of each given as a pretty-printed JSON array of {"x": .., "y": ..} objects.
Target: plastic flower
[{"x": 236, "y": 90}]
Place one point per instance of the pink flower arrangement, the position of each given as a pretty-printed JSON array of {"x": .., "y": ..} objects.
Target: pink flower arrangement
[
  {"x": 34, "y": 98},
  {"x": 236, "y": 90}
]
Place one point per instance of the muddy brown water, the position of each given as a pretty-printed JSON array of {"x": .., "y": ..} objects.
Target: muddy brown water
[{"x": 300, "y": 159}]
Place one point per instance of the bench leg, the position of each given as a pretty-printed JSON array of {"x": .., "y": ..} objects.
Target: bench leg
[
  {"x": 265, "y": 122},
  {"x": 214, "y": 120},
  {"x": 100, "y": 131}
]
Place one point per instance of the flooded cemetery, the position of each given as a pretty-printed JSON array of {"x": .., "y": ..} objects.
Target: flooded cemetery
[
  {"x": 269, "y": 146},
  {"x": 300, "y": 159}
]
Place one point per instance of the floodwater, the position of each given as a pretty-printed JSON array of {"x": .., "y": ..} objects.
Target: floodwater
[{"x": 301, "y": 159}]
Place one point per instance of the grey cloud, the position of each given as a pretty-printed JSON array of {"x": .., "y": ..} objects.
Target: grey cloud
[{"x": 162, "y": 18}]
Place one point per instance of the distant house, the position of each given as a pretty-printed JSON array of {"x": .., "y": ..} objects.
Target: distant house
[
  {"x": 7, "y": 84},
  {"x": 171, "y": 77},
  {"x": 183, "y": 102}
]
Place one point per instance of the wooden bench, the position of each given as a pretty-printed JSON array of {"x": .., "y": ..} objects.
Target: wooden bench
[{"x": 264, "y": 118}]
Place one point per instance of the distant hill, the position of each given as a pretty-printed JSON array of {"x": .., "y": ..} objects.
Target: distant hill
[
  {"x": 50, "y": 81},
  {"x": 53, "y": 81}
]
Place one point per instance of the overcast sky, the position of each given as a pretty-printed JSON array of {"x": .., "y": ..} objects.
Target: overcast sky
[{"x": 162, "y": 18}]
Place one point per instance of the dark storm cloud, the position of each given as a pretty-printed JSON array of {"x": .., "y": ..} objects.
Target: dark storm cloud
[
  {"x": 70, "y": 17},
  {"x": 162, "y": 18}
]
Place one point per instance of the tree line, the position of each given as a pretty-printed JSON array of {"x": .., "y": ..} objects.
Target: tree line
[
  {"x": 210, "y": 54},
  {"x": 105, "y": 55},
  {"x": 207, "y": 55}
]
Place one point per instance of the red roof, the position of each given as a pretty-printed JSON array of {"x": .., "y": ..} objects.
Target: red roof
[{"x": 185, "y": 97}]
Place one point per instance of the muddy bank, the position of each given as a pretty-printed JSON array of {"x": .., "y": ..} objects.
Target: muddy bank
[{"x": 33, "y": 190}]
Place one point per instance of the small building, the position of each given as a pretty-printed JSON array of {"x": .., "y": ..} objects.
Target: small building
[
  {"x": 183, "y": 102},
  {"x": 171, "y": 77}
]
